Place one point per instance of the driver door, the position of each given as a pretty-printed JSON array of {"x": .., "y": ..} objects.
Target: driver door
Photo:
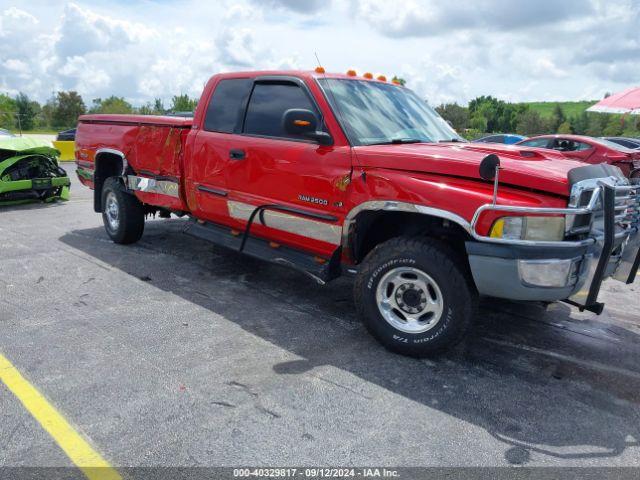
[{"x": 270, "y": 166}]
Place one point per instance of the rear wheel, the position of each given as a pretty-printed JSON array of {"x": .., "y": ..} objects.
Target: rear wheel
[
  {"x": 413, "y": 295},
  {"x": 122, "y": 214}
]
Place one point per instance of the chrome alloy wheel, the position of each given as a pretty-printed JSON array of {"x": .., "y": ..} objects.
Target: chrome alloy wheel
[
  {"x": 112, "y": 211},
  {"x": 409, "y": 300}
]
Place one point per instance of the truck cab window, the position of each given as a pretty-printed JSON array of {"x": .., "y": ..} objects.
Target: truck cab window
[
  {"x": 224, "y": 113},
  {"x": 268, "y": 103}
]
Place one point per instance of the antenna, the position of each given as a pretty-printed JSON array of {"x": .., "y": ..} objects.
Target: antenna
[{"x": 339, "y": 112}]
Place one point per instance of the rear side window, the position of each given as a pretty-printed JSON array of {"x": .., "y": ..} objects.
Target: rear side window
[
  {"x": 224, "y": 113},
  {"x": 538, "y": 142},
  {"x": 268, "y": 103}
]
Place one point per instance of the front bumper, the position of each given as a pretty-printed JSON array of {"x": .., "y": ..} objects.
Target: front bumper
[
  {"x": 527, "y": 273},
  {"x": 568, "y": 270},
  {"x": 18, "y": 191}
]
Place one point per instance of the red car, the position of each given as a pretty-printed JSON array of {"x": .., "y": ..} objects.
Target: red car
[{"x": 590, "y": 150}]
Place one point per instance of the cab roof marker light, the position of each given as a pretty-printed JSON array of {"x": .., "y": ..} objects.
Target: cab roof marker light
[
  {"x": 351, "y": 73},
  {"x": 319, "y": 69},
  {"x": 368, "y": 75},
  {"x": 382, "y": 78}
]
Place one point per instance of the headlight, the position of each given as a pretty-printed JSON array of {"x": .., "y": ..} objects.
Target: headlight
[{"x": 529, "y": 228}]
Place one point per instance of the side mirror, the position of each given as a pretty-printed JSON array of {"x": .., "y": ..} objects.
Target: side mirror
[
  {"x": 298, "y": 121},
  {"x": 489, "y": 166}
]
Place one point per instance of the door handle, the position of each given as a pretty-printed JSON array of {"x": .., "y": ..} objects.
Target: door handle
[{"x": 237, "y": 154}]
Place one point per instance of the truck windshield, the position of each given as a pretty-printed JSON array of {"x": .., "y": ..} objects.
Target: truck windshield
[{"x": 373, "y": 113}]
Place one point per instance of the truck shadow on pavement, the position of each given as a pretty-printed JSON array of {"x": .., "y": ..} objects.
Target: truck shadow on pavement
[{"x": 549, "y": 381}]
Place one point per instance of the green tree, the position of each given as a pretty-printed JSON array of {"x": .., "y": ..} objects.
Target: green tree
[
  {"x": 531, "y": 123},
  {"x": 632, "y": 127},
  {"x": 565, "y": 127},
  {"x": 614, "y": 127},
  {"x": 155, "y": 108},
  {"x": 557, "y": 117},
  {"x": 472, "y": 133},
  {"x": 27, "y": 111},
  {"x": 580, "y": 123},
  {"x": 479, "y": 122},
  {"x": 182, "y": 103},
  {"x": 8, "y": 110},
  {"x": 596, "y": 124},
  {"x": 67, "y": 107},
  {"x": 455, "y": 114},
  {"x": 112, "y": 104},
  {"x": 500, "y": 115}
]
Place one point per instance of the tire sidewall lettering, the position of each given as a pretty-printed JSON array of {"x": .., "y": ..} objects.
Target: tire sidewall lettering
[
  {"x": 402, "y": 337},
  {"x": 385, "y": 266}
]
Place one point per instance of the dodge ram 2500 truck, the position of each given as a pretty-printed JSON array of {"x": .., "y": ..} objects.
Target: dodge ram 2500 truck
[{"x": 339, "y": 174}]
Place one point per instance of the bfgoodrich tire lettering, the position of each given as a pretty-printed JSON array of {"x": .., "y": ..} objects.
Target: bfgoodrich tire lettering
[
  {"x": 122, "y": 213},
  {"x": 428, "y": 290}
]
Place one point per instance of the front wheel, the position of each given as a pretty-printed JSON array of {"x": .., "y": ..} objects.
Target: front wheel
[
  {"x": 413, "y": 295},
  {"x": 122, "y": 213}
]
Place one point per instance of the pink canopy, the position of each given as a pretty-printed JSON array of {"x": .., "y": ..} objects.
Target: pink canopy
[{"x": 623, "y": 102}]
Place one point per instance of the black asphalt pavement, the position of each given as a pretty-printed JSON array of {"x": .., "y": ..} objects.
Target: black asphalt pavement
[{"x": 176, "y": 352}]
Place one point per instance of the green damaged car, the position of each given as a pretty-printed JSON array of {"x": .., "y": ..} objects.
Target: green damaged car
[{"x": 29, "y": 171}]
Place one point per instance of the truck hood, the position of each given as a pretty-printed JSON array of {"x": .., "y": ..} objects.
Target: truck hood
[{"x": 536, "y": 168}]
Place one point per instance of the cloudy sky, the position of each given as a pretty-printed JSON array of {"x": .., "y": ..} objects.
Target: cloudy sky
[{"x": 448, "y": 50}]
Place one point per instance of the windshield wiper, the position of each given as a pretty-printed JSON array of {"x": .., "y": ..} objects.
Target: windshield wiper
[
  {"x": 399, "y": 141},
  {"x": 452, "y": 140}
]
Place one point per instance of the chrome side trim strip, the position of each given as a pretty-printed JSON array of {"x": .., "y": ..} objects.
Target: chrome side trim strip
[
  {"x": 291, "y": 223},
  {"x": 151, "y": 185}
]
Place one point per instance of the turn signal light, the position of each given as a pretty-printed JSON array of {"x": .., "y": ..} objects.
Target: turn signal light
[
  {"x": 301, "y": 123},
  {"x": 382, "y": 78},
  {"x": 368, "y": 75},
  {"x": 319, "y": 69},
  {"x": 351, "y": 73}
]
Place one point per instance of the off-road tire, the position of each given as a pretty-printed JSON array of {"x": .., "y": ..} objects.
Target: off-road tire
[
  {"x": 445, "y": 267},
  {"x": 130, "y": 213}
]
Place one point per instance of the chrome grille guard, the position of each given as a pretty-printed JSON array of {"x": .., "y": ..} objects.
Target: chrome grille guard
[{"x": 611, "y": 232}]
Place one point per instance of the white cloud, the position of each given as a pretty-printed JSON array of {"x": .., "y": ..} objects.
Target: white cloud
[
  {"x": 423, "y": 18},
  {"x": 544, "y": 66},
  {"x": 299, "y": 6},
  {"x": 448, "y": 51}
]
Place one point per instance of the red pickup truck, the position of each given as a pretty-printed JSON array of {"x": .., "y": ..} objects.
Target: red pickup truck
[{"x": 339, "y": 174}]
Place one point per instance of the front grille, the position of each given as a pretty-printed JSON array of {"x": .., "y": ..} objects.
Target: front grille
[{"x": 627, "y": 207}]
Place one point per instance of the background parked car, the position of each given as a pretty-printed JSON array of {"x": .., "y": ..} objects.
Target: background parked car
[
  {"x": 65, "y": 143},
  {"x": 588, "y": 149},
  {"x": 632, "y": 143},
  {"x": 508, "y": 138},
  {"x": 5, "y": 133},
  {"x": 67, "y": 135}
]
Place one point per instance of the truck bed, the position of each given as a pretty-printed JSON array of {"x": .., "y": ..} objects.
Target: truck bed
[{"x": 147, "y": 146}]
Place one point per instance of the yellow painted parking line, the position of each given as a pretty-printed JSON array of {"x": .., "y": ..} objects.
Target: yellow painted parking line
[{"x": 77, "y": 449}]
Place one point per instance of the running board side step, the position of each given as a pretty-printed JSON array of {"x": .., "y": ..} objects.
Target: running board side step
[{"x": 320, "y": 269}]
